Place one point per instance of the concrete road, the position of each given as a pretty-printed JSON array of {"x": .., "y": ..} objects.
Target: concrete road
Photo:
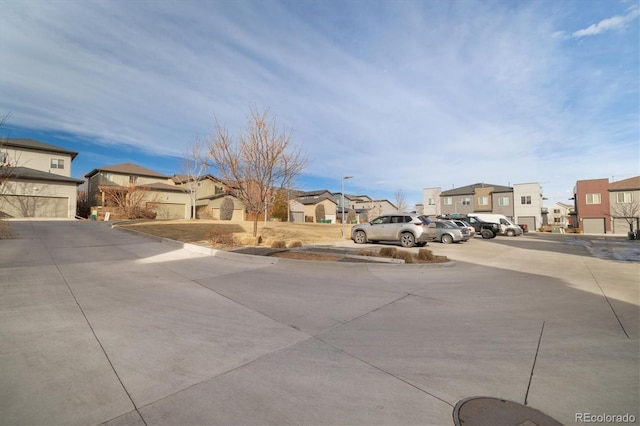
[{"x": 102, "y": 326}]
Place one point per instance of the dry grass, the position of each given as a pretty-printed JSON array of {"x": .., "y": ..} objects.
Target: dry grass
[{"x": 196, "y": 231}]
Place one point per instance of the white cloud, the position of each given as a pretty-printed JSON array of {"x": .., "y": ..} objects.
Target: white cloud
[
  {"x": 406, "y": 94},
  {"x": 614, "y": 23}
]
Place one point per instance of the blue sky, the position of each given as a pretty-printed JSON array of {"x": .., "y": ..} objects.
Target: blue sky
[{"x": 400, "y": 94}]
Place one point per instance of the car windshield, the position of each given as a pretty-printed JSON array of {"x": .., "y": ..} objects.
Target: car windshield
[{"x": 425, "y": 219}]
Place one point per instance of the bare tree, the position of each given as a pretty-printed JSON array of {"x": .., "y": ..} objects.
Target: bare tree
[
  {"x": 131, "y": 201},
  {"x": 194, "y": 166},
  {"x": 629, "y": 211},
  {"x": 401, "y": 201},
  {"x": 259, "y": 163}
]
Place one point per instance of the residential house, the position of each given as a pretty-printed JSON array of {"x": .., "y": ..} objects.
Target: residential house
[
  {"x": 210, "y": 194},
  {"x": 431, "y": 201},
  {"x": 592, "y": 206},
  {"x": 478, "y": 198},
  {"x": 164, "y": 197},
  {"x": 624, "y": 199},
  {"x": 561, "y": 214},
  {"x": 36, "y": 180},
  {"x": 528, "y": 205},
  {"x": 310, "y": 202}
]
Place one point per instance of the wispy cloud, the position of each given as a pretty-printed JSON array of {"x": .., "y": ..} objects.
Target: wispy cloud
[
  {"x": 614, "y": 23},
  {"x": 398, "y": 94}
]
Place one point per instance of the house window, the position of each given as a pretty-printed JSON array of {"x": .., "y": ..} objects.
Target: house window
[
  {"x": 525, "y": 199},
  {"x": 448, "y": 201},
  {"x": 593, "y": 198},
  {"x": 3, "y": 158},
  {"x": 503, "y": 201},
  {"x": 483, "y": 201},
  {"x": 133, "y": 180},
  {"x": 466, "y": 201},
  {"x": 624, "y": 197},
  {"x": 556, "y": 210},
  {"x": 431, "y": 202},
  {"x": 57, "y": 163}
]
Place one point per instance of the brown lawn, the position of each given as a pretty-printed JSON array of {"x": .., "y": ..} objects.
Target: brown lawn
[{"x": 197, "y": 231}]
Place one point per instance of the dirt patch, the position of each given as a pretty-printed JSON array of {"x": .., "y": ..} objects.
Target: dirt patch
[
  {"x": 307, "y": 256},
  {"x": 5, "y": 230}
]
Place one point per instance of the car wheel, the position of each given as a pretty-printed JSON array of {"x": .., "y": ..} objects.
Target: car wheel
[
  {"x": 407, "y": 240},
  {"x": 359, "y": 237},
  {"x": 447, "y": 239},
  {"x": 486, "y": 234},
  {"x": 511, "y": 233}
]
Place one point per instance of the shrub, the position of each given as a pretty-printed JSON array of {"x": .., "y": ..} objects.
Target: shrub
[
  {"x": 203, "y": 212},
  {"x": 293, "y": 244},
  {"x": 388, "y": 251},
  {"x": 407, "y": 256},
  {"x": 278, "y": 244},
  {"x": 351, "y": 215},
  {"x": 220, "y": 237},
  {"x": 320, "y": 214},
  {"x": 425, "y": 254},
  {"x": 226, "y": 209}
]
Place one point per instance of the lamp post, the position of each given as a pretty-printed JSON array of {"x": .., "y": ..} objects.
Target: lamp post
[{"x": 342, "y": 203}]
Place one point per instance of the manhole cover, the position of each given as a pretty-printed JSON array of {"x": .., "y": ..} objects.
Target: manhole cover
[{"x": 494, "y": 411}]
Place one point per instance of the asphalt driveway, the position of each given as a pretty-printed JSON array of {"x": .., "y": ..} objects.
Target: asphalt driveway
[{"x": 102, "y": 326}]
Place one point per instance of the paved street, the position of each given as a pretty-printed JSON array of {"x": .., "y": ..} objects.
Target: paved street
[{"x": 98, "y": 325}]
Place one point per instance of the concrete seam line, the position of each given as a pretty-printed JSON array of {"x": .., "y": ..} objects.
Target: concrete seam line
[
  {"x": 607, "y": 299},
  {"x": 98, "y": 340},
  {"x": 535, "y": 359},
  {"x": 384, "y": 371}
]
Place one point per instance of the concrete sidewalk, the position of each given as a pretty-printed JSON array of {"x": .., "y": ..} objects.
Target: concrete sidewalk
[{"x": 98, "y": 325}]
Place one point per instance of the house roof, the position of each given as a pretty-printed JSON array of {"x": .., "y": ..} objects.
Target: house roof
[
  {"x": 632, "y": 184},
  {"x": 316, "y": 193},
  {"x": 181, "y": 178},
  {"x": 159, "y": 186},
  {"x": 127, "y": 169},
  {"x": 471, "y": 189},
  {"x": 32, "y": 174},
  {"x": 314, "y": 199},
  {"x": 36, "y": 145}
]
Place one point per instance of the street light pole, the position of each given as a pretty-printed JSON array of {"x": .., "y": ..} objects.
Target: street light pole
[{"x": 342, "y": 203}]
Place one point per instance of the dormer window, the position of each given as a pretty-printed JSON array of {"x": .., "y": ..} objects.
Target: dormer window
[{"x": 57, "y": 163}]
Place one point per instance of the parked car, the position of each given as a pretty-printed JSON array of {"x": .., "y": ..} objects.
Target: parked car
[
  {"x": 406, "y": 228},
  {"x": 507, "y": 227},
  {"x": 463, "y": 224},
  {"x": 448, "y": 232}
]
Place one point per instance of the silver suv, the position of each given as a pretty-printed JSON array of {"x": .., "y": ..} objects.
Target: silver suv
[{"x": 407, "y": 228}]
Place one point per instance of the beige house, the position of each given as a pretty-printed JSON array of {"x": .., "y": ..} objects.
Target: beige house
[
  {"x": 310, "y": 202},
  {"x": 163, "y": 196},
  {"x": 209, "y": 194},
  {"x": 624, "y": 202},
  {"x": 36, "y": 180}
]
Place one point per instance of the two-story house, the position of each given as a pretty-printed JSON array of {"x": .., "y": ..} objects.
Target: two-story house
[
  {"x": 624, "y": 200},
  {"x": 209, "y": 193},
  {"x": 592, "y": 206},
  {"x": 161, "y": 194},
  {"x": 36, "y": 180},
  {"x": 478, "y": 198}
]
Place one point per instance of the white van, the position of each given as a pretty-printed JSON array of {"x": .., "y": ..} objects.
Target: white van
[{"x": 507, "y": 227}]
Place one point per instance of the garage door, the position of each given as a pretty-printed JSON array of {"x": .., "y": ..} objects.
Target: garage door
[
  {"x": 168, "y": 210},
  {"x": 593, "y": 225},
  {"x": 29, "y": 206},
  {"x": 621, "y": 226},
  {"x": 530, "y": 221}
]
